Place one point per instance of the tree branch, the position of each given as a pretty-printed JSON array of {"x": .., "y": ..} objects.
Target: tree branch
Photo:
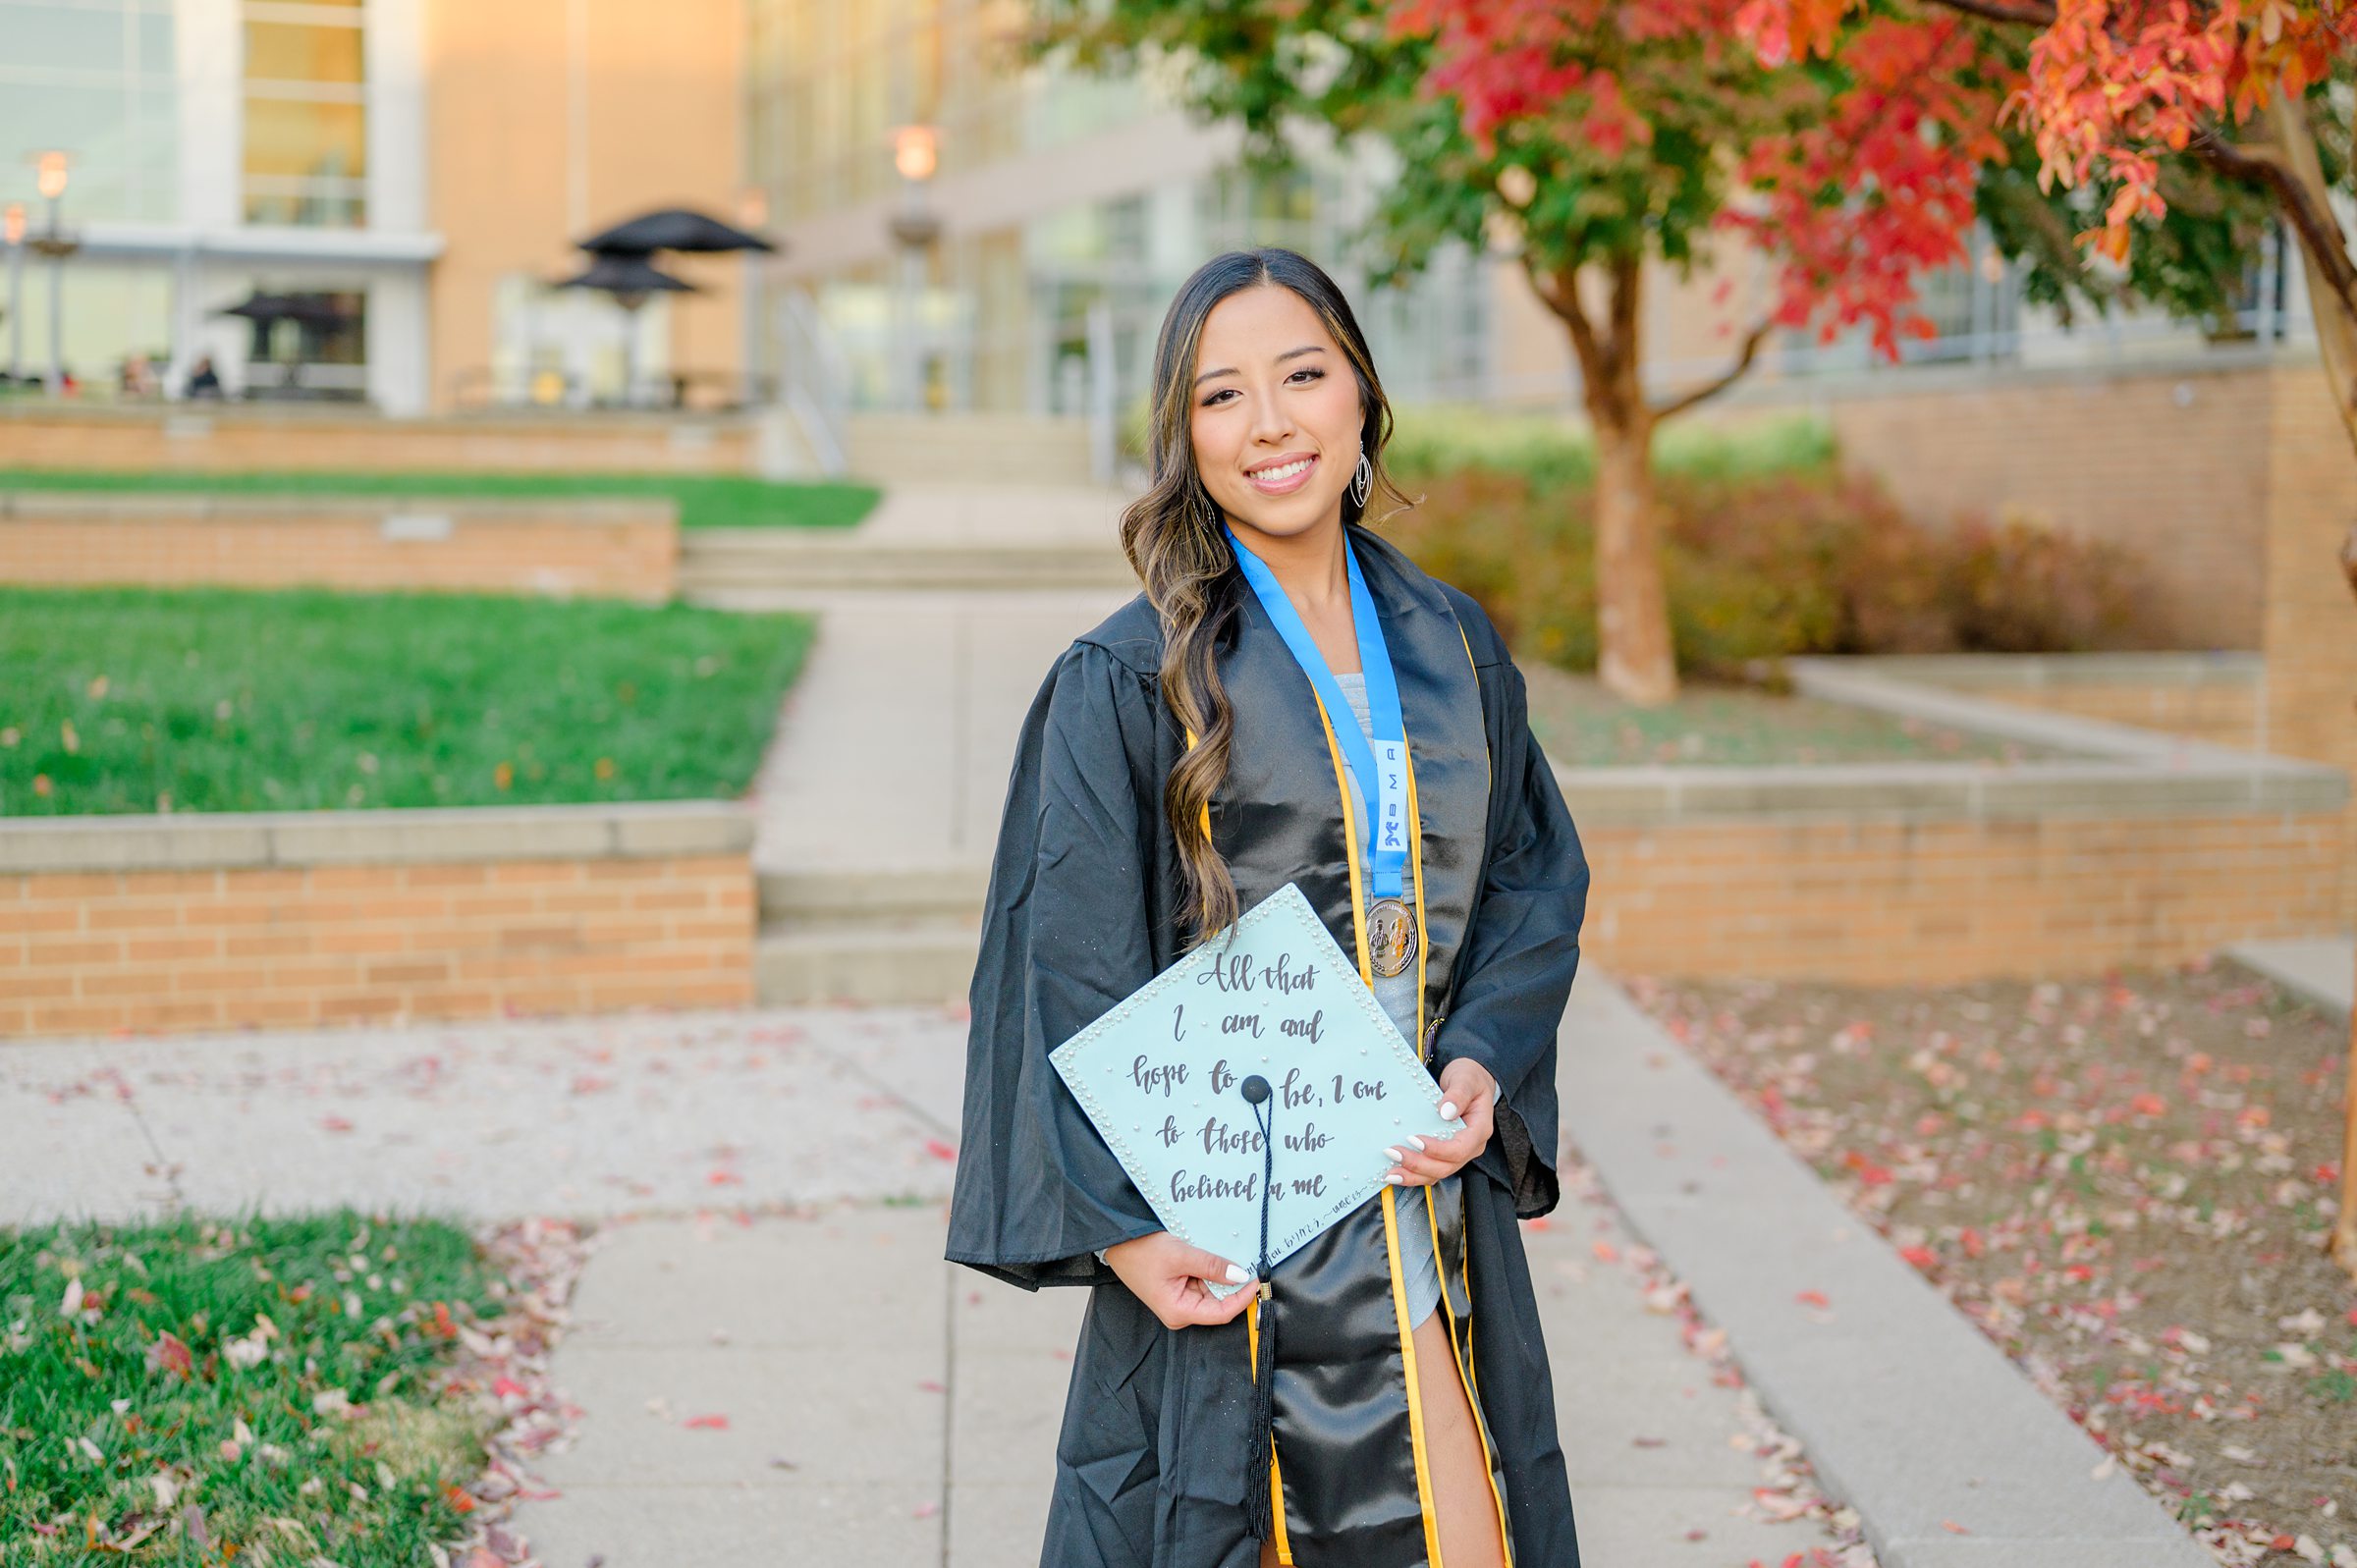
[
  {"x": 1712, "y": 387},
  {"x": 1560, "y": 291},
  {"x": 2319, "y": 231},
  {"x": 2030, "y": 12}
]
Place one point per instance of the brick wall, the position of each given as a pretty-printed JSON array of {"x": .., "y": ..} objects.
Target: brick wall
[
  {"x": 2311, "y": 622},
  {"x": 1882, "y": 902},
  {"x": 594, "y": 548},
  {"x": 2171, "y": 466},
  {"x": 241, "y": 439},
  {"x": 295, "y": 919}
]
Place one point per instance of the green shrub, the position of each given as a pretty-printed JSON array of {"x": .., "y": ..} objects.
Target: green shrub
[{"x": 1764, "y": 559}]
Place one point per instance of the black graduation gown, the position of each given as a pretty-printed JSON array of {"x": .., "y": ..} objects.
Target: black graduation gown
[{"x": 1083, "y": 907}]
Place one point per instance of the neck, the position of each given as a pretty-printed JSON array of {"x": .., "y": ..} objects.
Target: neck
[{"x": 1312, "y": 566}]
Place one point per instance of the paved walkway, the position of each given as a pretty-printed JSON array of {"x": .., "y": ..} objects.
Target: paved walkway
[
  {"x": 774, "y": 1186},
  {"x": 896, "y": 742}
]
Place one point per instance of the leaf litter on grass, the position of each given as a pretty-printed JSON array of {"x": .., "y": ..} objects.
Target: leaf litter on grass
[
  {"x": 344, "y": 1387},
  {"x": 2123, "y": 1181}
]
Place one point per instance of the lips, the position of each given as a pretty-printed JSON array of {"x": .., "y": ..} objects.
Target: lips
[{"x": 1301, "y": 469}]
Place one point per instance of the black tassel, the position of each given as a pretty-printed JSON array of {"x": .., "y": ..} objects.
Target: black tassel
[{"x": 1259, "y": 1506}]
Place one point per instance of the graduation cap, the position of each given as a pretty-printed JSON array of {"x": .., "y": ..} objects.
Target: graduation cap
[{"x": 1248, "y": 1090}]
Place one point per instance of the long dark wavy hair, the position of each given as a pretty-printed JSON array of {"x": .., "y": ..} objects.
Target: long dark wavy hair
[{"x": 1172, "y": 534}]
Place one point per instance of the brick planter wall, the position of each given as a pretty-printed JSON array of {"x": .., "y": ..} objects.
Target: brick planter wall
[
  {"x": 233, "y": 438},
  {"x": 621, "y": 549},
  {"x": 293, "y": 919},
  {"x": 1886, "y": 902},
  {"x": 2144, "y": 849}
]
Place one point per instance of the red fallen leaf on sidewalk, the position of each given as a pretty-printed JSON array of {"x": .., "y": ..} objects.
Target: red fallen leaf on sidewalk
[
  {"x": 1812, "y": 1298},
  {"x": 2149, "y": 1104},
  {"x": 1921, "y": 1257},
  {"x": 1606, "y": 1252},
  {"x": 930, "y": 1386},
  {"x": 939, "y": 1149},
  {"x": 717, "y": 1423},
  {"x": 1951, "y": 1525},
  {"x": 724, "y": 1178},
  {"x": 503, "y": 1387},
  {"x": 335, "y": 1124}
]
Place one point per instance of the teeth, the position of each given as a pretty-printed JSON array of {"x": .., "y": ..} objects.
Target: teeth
[{"x": 1286, "y": 472}]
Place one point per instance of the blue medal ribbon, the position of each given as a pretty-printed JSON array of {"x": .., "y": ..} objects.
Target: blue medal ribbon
[{"x": 1387, "y": 831}]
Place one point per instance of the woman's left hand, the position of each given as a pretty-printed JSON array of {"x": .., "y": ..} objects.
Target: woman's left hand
[{"x": 1466, "y": 1090}]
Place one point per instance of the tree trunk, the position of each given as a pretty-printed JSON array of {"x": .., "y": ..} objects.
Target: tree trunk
[
  {"x": 1634, "y": 657},
  {"x": 2335, "y": 317}
]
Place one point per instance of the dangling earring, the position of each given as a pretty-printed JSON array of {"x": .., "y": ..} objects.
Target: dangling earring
[{"x": 1362, "y": 479}]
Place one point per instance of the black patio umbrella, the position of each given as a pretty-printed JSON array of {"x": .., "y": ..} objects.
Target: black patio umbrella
[
  {"x": 264, "y": 308},
  {"x": 316, "y": 315},
  {"x": 629, "y": 278},
  {"x": 676, "y": 228}
]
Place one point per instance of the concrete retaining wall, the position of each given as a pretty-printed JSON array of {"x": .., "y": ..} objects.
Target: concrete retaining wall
[{"x": 2214, "y": 697}]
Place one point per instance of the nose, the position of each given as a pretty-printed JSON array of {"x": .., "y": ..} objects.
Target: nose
[{"x": 1271, "y": 424}]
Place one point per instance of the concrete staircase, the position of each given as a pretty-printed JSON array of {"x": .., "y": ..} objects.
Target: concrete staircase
[
  {"x": 719, "y": 565},
  {"x": 859, "y": 936},
  {"x": 970, "y": 448}
]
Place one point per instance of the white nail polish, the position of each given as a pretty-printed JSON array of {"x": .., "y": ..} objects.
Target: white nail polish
[
  {"x": 1447, "y": 1107},
  {"x": 1238, "y": 1274},
  {"x": 1418, "y": 1142},
  {"x": 1397, "y": 1179},
  {"x": 1393, "y": 1155}
]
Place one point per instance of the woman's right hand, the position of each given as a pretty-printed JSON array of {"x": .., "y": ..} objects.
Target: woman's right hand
[{"x": 1167, "y": 1274}]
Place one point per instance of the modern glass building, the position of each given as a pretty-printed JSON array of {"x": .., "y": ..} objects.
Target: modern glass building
[
  {"x": 217, "y": 150},
  {"x": 1055, "y": 195}
]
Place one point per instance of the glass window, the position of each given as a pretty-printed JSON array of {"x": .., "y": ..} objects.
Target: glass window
[
  {"x": 284, "y": 51},
  {"x": 94, "y": 79},
  {"x": 306, "y": 124}
]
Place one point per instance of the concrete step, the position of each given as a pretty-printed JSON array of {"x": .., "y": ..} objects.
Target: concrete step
[
  {"x": 880, "y": 898},
  {"x": 798, "y": 966},
  {"x": 975, "y": 448},
  {"x": 723, "y": 560},
  {"x": 903, "y": 934}
]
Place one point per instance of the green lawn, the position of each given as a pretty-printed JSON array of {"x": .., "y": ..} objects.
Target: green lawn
[
  {"x": 200, "y": 1391},
  {"x": 141, "y": 700},
  {"x": 706, "y": 500},
  {"x": 1583, "y": 725}
]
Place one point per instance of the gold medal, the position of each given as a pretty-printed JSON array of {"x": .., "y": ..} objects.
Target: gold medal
[{"x": 1391, "y": 935}]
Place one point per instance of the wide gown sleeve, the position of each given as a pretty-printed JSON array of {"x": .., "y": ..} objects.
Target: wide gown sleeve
[
  {"x": 1066, "y": 934},
  {"x": 1522, "y": 953}
]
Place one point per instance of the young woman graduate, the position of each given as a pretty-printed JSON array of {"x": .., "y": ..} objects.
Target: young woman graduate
[{"x": 1183, "y": 761}]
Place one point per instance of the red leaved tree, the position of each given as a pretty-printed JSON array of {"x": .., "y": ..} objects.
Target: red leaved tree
[{"x": 2112, "y": 93}]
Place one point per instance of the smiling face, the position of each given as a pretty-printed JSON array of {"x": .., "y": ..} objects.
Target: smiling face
[{"x": 1276, "y": 414}]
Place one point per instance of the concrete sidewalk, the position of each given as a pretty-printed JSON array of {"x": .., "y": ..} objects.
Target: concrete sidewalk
[{"x": 774, "y": 1362}]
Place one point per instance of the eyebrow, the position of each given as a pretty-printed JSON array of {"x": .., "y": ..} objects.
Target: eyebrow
[{"x": 1289, "y": 353}]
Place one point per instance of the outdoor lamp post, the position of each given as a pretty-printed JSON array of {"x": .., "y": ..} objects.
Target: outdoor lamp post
[
  {"x": 12, "y": 230},
  {"x": 914, "y": 227},
  {"x": 55, "y": 243}
]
